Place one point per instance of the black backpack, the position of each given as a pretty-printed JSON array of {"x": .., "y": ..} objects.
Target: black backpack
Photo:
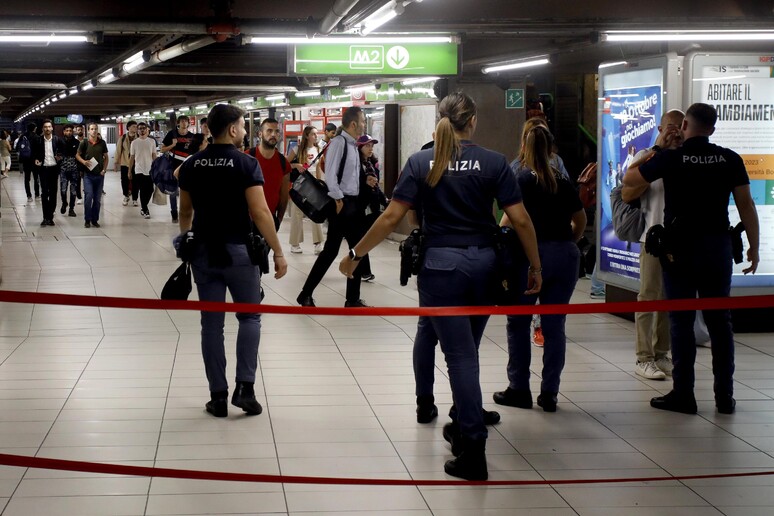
[{"x": 23, "y": 147}]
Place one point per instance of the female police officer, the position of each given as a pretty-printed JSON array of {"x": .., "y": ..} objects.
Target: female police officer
[
  {"x": 454, "y": 184},
  {"x": 221, "y": 188}
]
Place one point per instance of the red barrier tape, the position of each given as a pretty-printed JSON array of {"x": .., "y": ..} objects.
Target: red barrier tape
[
  {"x": 712, "y": 303},
  {"x": 140, "y": 471}
]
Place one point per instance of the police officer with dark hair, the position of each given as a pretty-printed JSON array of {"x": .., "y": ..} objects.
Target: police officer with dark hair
[
  {"x": 221, "y": 189},
  {"x": 699, "y": 178},
  {"x": 454, "y": 185}
]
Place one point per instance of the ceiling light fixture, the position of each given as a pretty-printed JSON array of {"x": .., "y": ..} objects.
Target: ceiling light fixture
[
  {"x": 272, "y": 98},
  {"x": 42, "y": 38},
  {"x": 245, "y": 101},
  {"x": 308, "y": 93},
  {"x": 362, "y": 87},
  {"x": 381, "y": 16},
  {"x": 280, "y": 40},
  {"x": 687, "y": 35},
  {"x": 517, "y": 64},
  {"x": 608, "y": 65},
  {"x": 419, "y": 80},
  {"x": 73, "y": 91},
  {"x": 201, "y": 106},
  {"x": 108, "y": 77},
  {"x": 87, "y": 85}
]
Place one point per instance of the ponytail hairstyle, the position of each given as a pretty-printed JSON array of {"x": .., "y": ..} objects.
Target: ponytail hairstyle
[
  {"x": 528, "y": 126},
  {"x": 537, "y": 156},
  {"x": 456, "y": 110}
]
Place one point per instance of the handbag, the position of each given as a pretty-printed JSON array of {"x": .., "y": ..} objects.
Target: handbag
[
  {"x": 311, "y": 196},
  {"x": 178, "y": 286},
  {"x": 511, "y": 272},
  {"x": 159, "y": 198}
]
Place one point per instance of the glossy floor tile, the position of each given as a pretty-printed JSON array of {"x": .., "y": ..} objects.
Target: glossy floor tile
[{"x": 128, "y": 387}]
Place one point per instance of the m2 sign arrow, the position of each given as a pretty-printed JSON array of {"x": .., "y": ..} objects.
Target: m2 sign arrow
[
  {"x": 386, "y": 59},
  {"x": 398, "y": 57}
]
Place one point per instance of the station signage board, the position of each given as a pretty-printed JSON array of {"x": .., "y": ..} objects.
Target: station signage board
[{"x": 376, "y": 59}]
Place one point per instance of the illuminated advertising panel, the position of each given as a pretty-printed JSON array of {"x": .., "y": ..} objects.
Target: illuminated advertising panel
[{"x": 741, "y": 88}]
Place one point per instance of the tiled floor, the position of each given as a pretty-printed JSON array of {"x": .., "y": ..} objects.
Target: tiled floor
[{"x": 128, "y": 387}]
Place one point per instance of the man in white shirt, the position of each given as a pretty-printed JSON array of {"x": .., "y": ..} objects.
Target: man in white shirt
[
  {"x": 652, "y": 328},
  {"x": 141, "y": 155}
]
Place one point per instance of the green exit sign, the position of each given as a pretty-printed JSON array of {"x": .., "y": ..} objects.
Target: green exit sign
[
  {"x": 372, "y": 59},
  {"x": 514, "y": 99}
]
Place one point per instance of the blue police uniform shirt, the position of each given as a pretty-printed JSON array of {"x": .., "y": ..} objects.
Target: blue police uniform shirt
[
  {"x": 458, "y": 210},
  {"x": 699, "y": 178},
  {"x": 216, "y": 179},
  {"x": 551, "y": 213}
]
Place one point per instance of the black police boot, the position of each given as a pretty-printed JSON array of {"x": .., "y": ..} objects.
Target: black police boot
[
  {"x": 218, "y": 404},
  {"x": 470, "y": 464},
  {"x": 675, "y": 402},
  {"x": 490, "y": 416},
  {"x": 514, "y": 398},
  {"x": 244, "y": 398},
  {"x": 451, "y": 433},
  {"x": 548, "y": 401},
  {"x": 725, "y": 404},
  {"x": 426, "y": 409}
]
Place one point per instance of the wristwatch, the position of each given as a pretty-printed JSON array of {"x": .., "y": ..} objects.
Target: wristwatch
[
  {"x": 353, "y": 256},
  {"x": 656, "y": 148}
]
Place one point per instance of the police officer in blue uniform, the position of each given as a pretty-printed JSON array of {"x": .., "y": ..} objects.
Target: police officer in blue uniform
[
  {"x": 699, "y": 178},
  {"x": 454, "y": 185},
  {"x": 221, "y": 190}
]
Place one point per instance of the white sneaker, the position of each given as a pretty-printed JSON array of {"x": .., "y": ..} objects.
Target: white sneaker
[
  {"x": 665, "y": 364},
  {"x": 145, "y": 214},
  {"x": 125, "y": 202},
  {"x": 318, "y": 247},
  {"x": 135, "y": 203},
  {"x": 79, "y": 201},
  {"x": 649, "y": 370},
  {"x": 296, "y": 249}
]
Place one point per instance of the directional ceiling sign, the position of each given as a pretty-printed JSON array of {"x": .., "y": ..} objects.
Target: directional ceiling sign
[
  {"x": 376, "y": 59},
  {"x": 514, "y": 99}
]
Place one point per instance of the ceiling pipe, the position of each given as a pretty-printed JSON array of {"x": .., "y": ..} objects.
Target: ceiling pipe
[
  {"x": 35, "y": 85},
  {"x": 198, "y": 87},
  {"x": 337, "y": 13}
]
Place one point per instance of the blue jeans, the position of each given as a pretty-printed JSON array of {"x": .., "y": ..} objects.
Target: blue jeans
[
  {"x": 560, "y": 262},
  {"x": 424, "y": 357},
  {"x": 460, "y": 277},
  {"x": 92, "y": 187},
  {"x": 704, "y": 269},
  {"x": 173, "y": 205},
  {"x": 243, "y": 281}
]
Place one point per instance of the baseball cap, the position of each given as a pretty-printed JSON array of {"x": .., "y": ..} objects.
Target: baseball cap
[{"x": 366, "y": 139}]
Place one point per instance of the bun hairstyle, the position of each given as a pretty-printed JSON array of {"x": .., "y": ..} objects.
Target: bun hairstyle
[
  {"x": 536, "y": 150},
  {"x": 456, "y": 110}
]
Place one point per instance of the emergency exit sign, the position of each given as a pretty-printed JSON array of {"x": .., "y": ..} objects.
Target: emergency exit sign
[
  {"x": 376, "y": 59},
  {"x": 514, "y": 99}
]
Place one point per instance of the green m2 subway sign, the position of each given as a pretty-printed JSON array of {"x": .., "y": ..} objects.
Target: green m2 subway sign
[{"x": 376, "y": 59}]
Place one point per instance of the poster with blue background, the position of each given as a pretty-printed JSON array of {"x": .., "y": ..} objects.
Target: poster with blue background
[{"x": 630, "y": 118}]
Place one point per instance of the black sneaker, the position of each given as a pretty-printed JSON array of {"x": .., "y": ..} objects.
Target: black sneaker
[
  {"x": 426, "y": 409},
  {"x": 725, "y": 404},
  {"x": 95, "y": 224},
  {"x": 218, "y": 404},
  {"x": 513, "y": 398},
  {"x": 355, "y": 304},
  {"x": 63, "y": 209},
  {"x": 44, "y": 223},
  {"x": 71, "y": 213},
  {"x": 87, "y": 224},
  {"x": 470, "y": 464},
  {"x": 490, "y": 416},
  {"x": 305, "y": 300},
  {"x": 244, "y": 398},
  {"x": 675, "y": 403},
  {"x": 51, "y": 222},
  {"x": 451, "y": 433},
  {"x": 368, "y": 277},
  {"x": 548, "y": 401}
]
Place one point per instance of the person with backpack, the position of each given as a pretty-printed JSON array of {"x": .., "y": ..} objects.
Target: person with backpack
[
  {"x": 342, "y": 175},
  {"x": 275, "y": 167},
  {"x": 652, "y": 328},
  {"x": 559, "y": 219},
  {"x": 123, "y": 156},
  {"x": 26, "y": 166}
]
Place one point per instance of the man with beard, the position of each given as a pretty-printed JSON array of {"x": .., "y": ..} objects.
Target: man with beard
[
  {"x": 68, "y": 174},
  {"x": 47, "y": 154},
  {"x": 275, "y": 168}
]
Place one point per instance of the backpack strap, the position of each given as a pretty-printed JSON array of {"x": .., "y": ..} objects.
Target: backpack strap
[{"x": 343, "y": 162}]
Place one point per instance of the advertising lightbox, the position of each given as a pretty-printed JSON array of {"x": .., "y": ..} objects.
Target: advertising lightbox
[
  {"x": 741, "y": 88},
  {"x": 632, "y": 98}
]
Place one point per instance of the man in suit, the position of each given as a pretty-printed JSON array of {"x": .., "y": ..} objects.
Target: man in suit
[{"x": 47, "y": 155}]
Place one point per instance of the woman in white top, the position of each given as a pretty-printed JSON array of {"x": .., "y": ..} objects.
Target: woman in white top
[
  {"x": 300, "y": 158},
  {"x": 5, "y": 154}
]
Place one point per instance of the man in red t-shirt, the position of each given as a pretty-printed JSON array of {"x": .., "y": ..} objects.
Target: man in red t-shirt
[{"x": 275, "y": 168}]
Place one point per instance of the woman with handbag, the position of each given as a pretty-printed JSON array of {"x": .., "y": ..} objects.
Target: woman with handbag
[
  {"x": 303, "y": 159},
  {"x": 559, "y": 220},
  {"x": 221, "y": 189},
  {"x": 455, "y": 184}
]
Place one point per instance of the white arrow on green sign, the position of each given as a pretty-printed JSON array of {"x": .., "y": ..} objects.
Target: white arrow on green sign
[
  {"x": 514, "y": 99},
  {"x": 386, "y": 59}
]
